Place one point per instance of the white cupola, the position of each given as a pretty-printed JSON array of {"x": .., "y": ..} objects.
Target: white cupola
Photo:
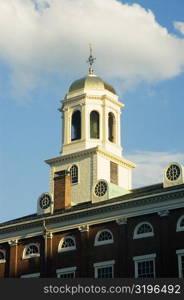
[
  {"x": 91, "y": 116},
  {"x": 91, "y": 145}
]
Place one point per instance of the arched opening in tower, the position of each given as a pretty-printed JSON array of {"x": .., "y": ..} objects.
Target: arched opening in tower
[
  {"x": 94, "y": 125},
  {"x": 76, "y": 126},
  {"x": 111, "y": 127}
]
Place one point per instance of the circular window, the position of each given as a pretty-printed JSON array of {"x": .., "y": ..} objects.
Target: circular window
[
  {"x": 100, "y": 188},
  {"x": 45, "y": 201},
  {"x": 173, "y": 172}
]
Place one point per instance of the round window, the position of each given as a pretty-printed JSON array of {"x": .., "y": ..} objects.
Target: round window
[
  {"x": 100, "y": 188},
  {"x": 45, "y": 201},
  {"x": 173, "y": 172}
]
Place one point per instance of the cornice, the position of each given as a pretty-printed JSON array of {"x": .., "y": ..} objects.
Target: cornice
[
  {"x": 74, "y": 98},
  {"x": 141, "y": 206},
  {"x": 71, "y": 156},
  {"x": 86, "y": 96},
  {"x": 120, "y": 160},
  {"x": 97, "y": 149}
]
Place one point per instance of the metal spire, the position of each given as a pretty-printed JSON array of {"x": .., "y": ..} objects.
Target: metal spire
[{"x": 90, "y": 60}]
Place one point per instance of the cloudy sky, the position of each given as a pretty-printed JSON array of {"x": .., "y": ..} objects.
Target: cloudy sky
[{"x": 139, "y": 46}]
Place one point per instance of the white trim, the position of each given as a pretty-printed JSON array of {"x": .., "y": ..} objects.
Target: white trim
[
  {"x": 180, "y": 254},
  {"x": 60, "y": 249},
  {"x": 63, "y": 271},
  {"x": 61, "y": 226},
  {"x": 106, "y": 242},
  {"x": 2, "y": 261},
  {"x": 33, "y": 275},
  {"x": 142, "y": 235},
  {"x": 178, "y": 227},
  {"x": 142, "y": 258},
  {"x": 180, "y": 251},
  {"x": 24, "y": 256},
  {"x": 104, "y": 264}
]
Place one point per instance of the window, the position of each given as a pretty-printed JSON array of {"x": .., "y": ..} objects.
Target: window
[
  {"x": 33, "y": 275},
  {"x": 111, "y": 127},
  {"x": 104, "y": 237},
  {"x": 143, "y": 230},
  {"x": 76, "y": 126},
  {"x": 173, "y": 172},
  {"x": 180, "y": 224},
  {"x": 145, "y": 266},
  {"x": 180, "y": 254},
  {"x": 100, "y": 188},
  {"x": 2, "y": 256},
  {"x": 74, "y": 174},
  {"x": 104, "y": 269},
  {"x": 66, "y": 272},
  {"x": 94, "y": 125},
  {"x": 66, "y": 244},
  {"x": 31, "y": 250}
]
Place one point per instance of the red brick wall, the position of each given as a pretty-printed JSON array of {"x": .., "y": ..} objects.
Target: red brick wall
[{"x": 164, "y": 243}]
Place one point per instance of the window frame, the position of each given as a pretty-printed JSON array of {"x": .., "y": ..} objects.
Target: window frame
[
  {"x": 180, "y": 254},
  {"x": 178, "y": 227},
  {"x": 103, "y": 264},
  {"x": 145, "y": 234},
  {"x": 2, "y": 261},
  {"x": 66, "y": 249},
  {"x": 64, "y": 271},
  {"x": 76, "y": 165},
  {"x": 106, "y": 242},
  {"x": 33, "y": 255},
  {"x": 32, "y": 275},
  {"x": 144, "y": 258}
]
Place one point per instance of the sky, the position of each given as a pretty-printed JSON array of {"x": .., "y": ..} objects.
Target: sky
[{"x": 139, "y": 49}]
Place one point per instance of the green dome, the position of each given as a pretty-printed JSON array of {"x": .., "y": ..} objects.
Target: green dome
[{"x": 91, "y": 82}]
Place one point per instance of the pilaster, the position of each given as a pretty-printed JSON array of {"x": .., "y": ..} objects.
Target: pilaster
[
  {"x": 84, "y": 230},
  {"x": 13, "y": 258},
  {"x": 164, "y": 243},
  {"x": 122, "y": 247}
]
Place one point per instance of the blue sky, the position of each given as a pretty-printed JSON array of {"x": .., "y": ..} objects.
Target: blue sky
[{"x": 139, "y": 46}]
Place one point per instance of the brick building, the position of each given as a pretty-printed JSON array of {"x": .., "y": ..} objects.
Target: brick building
[{"x": 92, "y": 223}]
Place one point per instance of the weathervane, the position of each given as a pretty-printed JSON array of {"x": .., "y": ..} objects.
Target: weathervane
[{"x": 90, "y": 60}]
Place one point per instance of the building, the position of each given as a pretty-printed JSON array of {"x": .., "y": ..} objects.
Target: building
[{"x": 92, "y": 223}]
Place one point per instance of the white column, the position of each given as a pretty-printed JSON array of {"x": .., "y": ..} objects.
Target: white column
[{"x": 84, "y": 124}]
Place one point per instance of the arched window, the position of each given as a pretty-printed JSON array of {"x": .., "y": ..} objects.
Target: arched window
[
  {"x": 104, "y": 237},
  {"x": 111, "y": 127},
  {"x": 31, "y": 250},
  {"x": 66, "y": 244},
  {"x": 2, "y": 256},
  {"x": 143, "y": 230},
  {"x": 94, "y": 125},
  {"x": 74, "y": 174},
  {"x": 76, "y": 126},
  {"x": 180, "y": 224}
]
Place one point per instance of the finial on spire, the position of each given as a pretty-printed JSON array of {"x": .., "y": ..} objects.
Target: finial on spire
[{"x": 90, "y": 60}]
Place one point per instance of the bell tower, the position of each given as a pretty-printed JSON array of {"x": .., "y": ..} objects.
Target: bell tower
[
  {"x": 91, "y": 145},
  {"x": 91, "y": 115}
]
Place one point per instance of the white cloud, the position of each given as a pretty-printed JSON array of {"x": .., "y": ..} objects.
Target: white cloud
[
  {"x": 179, "y": 26},
  {"x": 150, "y": 166},
  {"x": 53, "y": 36}
]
